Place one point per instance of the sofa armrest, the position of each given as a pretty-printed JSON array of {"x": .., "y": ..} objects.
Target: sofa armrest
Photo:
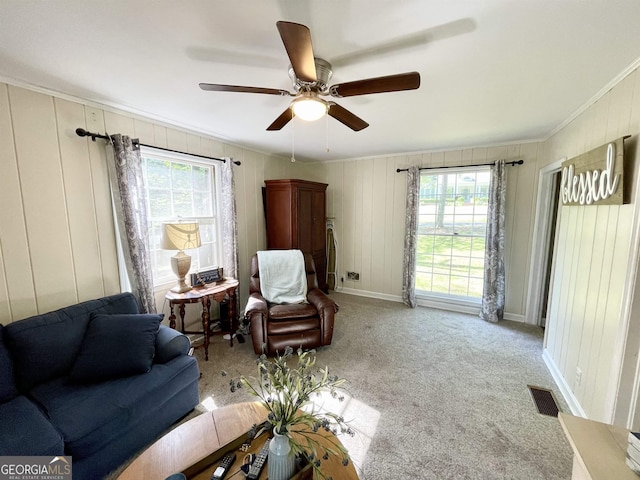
[{"x": 170, "y": 343}]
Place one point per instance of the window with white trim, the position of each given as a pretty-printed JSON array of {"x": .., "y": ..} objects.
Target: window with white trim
[
  {"x": 451, "y": 232},
  {"x": 181, "y": 187}
]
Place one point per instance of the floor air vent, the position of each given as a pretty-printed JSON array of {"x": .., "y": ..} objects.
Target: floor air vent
[{"x": 545, "y": 403}]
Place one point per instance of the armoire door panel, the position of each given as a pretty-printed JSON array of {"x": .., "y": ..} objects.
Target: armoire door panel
[{"x": 279, "y": 224}]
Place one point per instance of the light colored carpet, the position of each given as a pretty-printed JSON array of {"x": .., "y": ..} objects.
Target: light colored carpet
[{"x": 431, "y": 394}]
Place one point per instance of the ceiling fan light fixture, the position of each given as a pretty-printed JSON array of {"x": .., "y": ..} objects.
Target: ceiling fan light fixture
[{"x": 309, "y": 107}]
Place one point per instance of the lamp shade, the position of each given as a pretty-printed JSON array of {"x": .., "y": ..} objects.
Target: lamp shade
[{"x": 180, "y": 236}]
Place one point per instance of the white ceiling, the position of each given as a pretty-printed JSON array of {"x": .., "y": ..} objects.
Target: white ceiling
[{"x": 493, "y": 71}]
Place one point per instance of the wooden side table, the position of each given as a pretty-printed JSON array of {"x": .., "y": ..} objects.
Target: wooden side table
[{"x": 226, "y": 289}]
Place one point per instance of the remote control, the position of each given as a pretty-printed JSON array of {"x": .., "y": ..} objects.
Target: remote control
[
  {"x": 259, "y": 462},
  {"x": 223, "y": 468}
]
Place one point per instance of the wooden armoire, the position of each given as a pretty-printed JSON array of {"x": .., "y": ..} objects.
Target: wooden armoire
[{"x": 295, "y": 217}]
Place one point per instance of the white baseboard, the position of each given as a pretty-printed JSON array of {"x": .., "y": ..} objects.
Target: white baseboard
[
  {"x": 368, "y": 294},
  {"x": 471, "y": 308},
  {"x": 423, "y": 302},
  {"x": 514, "y": 317},
  {"x": 566, "y": 392}
]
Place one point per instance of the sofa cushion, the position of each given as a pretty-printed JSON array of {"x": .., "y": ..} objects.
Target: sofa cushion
[
  {"x": 92, "y": 415},
  {"x": 116, "y": 346},
  {"x": 26, "y": 431},
  {"x": 8, "y": 389},
  {"x": 45, "y": 346}
]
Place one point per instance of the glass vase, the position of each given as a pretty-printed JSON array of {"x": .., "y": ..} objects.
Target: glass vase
[{"x": 281, "y": 463}]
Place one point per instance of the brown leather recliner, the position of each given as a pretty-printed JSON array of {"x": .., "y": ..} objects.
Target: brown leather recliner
[{"x": 306, "y": 325}]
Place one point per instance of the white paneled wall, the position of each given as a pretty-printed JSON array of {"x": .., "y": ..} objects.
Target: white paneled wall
[
  {"x": 594, "y": 268},
  {"x": 367, "y": 199},
  {"x": 57, "y": 240}
]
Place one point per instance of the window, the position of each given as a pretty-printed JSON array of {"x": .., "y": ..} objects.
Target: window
[
  {"x": 451, "y": 232},
  {"x": 180, "y": 187}
]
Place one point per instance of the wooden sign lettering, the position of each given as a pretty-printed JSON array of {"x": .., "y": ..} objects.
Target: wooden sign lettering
[{"x": 595, "y": 177}]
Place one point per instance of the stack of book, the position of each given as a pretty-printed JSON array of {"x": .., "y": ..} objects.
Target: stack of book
[{"x": 633, "y": 452}]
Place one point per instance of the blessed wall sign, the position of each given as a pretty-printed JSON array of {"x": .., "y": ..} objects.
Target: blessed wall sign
[{"x": 595, "y": 177}]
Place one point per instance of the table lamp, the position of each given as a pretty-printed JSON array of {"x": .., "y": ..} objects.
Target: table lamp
[{"x": 180, "y": 236}]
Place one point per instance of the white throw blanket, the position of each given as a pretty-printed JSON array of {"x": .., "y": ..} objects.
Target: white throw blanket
[{"x": 283, "y": 278}]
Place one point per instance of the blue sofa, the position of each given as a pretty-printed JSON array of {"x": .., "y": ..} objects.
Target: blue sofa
[{"x": 96, "y": 381}]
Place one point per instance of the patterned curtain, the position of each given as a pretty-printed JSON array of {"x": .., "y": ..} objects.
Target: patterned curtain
[
  {"x": 410, "y": 237},
  {"x": 127, "y": 191},
  {"x": 229, "y": 221},
  {"x": 493, "y": 295}
]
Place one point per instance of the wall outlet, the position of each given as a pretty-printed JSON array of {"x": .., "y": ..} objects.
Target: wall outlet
[
  {"x": 578, "y": 376},
  {"x": 353, "y": 276}
]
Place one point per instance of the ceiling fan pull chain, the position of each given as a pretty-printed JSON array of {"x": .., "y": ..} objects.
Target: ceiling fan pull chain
[
  {"x": 326, "y": 117},
  {"x": 293, "y": 140}
]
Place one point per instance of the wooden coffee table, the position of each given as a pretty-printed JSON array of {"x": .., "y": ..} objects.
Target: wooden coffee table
[{"x": 198, "y": 438}]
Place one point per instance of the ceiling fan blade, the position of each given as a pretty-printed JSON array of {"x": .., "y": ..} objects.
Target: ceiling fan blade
[
  {"x": 284, "y": 118},
  {"x": 215, "y": 87},
  {"x": 344, "y": 116},
  {"x": 297, "y": 42},
  {"x": 390, "y": 83}
]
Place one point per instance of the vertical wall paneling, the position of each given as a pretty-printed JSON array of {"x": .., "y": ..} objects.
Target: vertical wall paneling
[
  {"x": 607, "y": 375},
  {"x": 349, "y": 225},
  {"x": 17, "y": 295},
  {"x": 160, "y": 136},
  {"x": 592, "y": 324},
  {"x": 378, "y": 214},
  {"x": 77, "y": 183},
  {"x": 388, "y": 257},
  {"x": 7, "y": 164},
  {"x": 119, "y": 123},
  {"x": 366, "y": 226},
  {"x": 97, "y": 158},
  {"x": 372, "y": 204},
  {"x": 143, "y": 131},
  {"x": 630, "y": 377},
  {"x": 45, "y": 208},
  {"x": 361, "y": 206},
  {"x": 177, "y": 140}
]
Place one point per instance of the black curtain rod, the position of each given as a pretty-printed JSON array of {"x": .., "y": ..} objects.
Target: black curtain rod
[
  {"x": 515, "y": 162},
  {"x": 81, "y": 132}
]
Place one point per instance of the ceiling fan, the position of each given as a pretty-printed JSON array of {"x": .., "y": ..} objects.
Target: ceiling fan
[{"x": 311, "y": 75}]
